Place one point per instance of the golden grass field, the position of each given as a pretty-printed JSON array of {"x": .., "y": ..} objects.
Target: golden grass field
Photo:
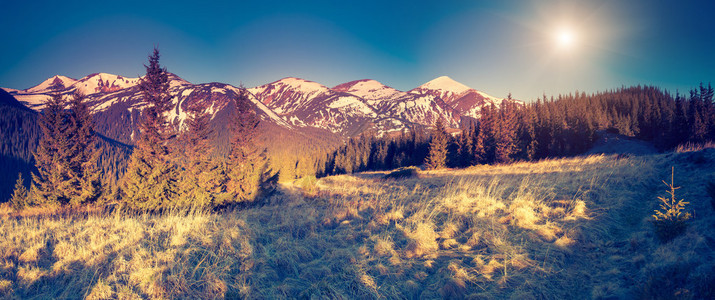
[{"x": 572, "y": 228}]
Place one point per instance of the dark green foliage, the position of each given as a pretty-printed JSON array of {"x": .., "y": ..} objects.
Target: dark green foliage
[
  {"x": 549, "y": 127},
  {"x": 466, "y": 146},
  {"x": 437, "y": 157},
  {"x": 203, "y": 178},
  {"x": 19, "y": 137},
  {"x": 20, "y": 134},
  {"x": 247, "y": 164},
  {"x": 55, "y": 176},
  {"x": 112, "y": 162},
  {"x": 404, "y": 172},
  {"x": 370, "y": 153},
  {"x": 84, "y": 152},
  {"x": 151, "y": 177},
  {"x": 505, "y": 132},
  {"x": 67, "y": 155},
  {"x": 19, "y": 197}
]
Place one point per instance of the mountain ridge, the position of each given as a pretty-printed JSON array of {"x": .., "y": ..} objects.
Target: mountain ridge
[{"x": 347, "y": 110}]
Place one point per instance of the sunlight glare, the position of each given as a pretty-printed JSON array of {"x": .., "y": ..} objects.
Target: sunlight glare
[{"x": 565, "y": 38}]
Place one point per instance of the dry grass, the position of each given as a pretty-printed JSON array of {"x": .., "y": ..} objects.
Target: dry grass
[{"x": 560, "y": 228}]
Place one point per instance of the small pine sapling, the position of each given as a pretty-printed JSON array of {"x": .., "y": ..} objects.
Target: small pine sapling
[
  {"x": 19, "y": 195},
  {"x": 670, "y": 219}
]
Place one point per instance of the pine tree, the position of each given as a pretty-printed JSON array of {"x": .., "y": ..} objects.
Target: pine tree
[
  {"x": 527, "y": 134},
  {"x": 84, "y": 151},
  {"x": 150, "y": 180},
  {"x": 203, "y": 179},
  {"x": 20, "y": 195},
  {"x": 247, "y": 164},
  {"x": 466, "y": 146},
  {"x": 52, "y": 156},
  {"x": 506, "y": 132},
  {"x": 437, "y": 157},
  {"x": 484, "y": 146}
]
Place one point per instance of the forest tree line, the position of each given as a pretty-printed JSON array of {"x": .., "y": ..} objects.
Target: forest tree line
[
  {"x": 177, "y": 167},
  {"x": 549, "y": 127},
  {"x": 168, "y": 167}
]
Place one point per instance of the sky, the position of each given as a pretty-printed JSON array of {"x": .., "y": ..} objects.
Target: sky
[{"x": 526, "y": 48}]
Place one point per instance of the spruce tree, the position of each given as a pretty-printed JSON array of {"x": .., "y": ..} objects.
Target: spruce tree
[
  {"x": 505, "y": 136},
  {"x": 84, "y": 151},
  {"x": 466, "y": 146},
  {"x": 53, "y": 179},
  {"x": 485, "y": 142},
  {"x": 247, "y": 164},
  {"x": 150, "y": 180},
  {"x": 203, "y": 178},
  {"x": 437, "y": 157},
  {"x": 20, "y": 194}
]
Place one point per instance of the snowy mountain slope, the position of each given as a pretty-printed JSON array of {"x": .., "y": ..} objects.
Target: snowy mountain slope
[
  {"x": 103, "y": 83},
  {"x": 90, "y": 85},
  {"x": 443, "y": 87},
  {"x": 422, "y": 109},
  {"x": 288, "y": 94},
  {"x": 348, "y": 109},
  {"x": 464, "y": 100},
  {"x": 54, "y": 80},
  {"x": 125, "y": 107},
  {"x": 305, "y": 103},
  {"x": 374, "y": 92}
]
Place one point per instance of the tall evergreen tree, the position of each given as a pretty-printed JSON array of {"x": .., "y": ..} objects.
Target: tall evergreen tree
[
  {"x": 437, "y": 157},
  {"x": 505, "y": 133},
  {"x": 150, "y": 180},
  {"x": 84, "y": 151},
  {"x": 466, "y": 146},
  {"x": 247, "y": 164},
  {"x": 53, "y": 181},
  {"x": 202, "y": 179}
]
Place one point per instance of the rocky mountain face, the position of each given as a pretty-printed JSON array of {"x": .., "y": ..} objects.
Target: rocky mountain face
[
  {"x": 299, "y": 118},
  {"x": 290, "y": 104}
]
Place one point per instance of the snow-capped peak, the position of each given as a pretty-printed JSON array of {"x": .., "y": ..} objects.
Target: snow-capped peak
[
  {"x": 369, "y": 89},
  {"x": 301, "y": 85},
  {"x": 103, "y": 82},
  {"x": 57, "y": 79},
  {"x": 445, "y": 84}
]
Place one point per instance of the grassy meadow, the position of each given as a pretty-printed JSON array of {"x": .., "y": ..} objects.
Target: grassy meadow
[{"x": 561, "y": 228}]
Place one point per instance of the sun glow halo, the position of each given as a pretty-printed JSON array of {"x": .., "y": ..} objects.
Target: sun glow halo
[{"x": 565, "y": 38}]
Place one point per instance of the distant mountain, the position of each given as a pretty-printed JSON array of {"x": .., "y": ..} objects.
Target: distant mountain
[
  {"x": 374, "y": 92},
  {"x": 19, "y": 137},
  {"x": 294, "y": 104},
  {"x": 305, "y": 103},
  {"x": 442, "y": 87},
  {"x": 299, "y": 117},
  {"x": 464, "y": 100}
]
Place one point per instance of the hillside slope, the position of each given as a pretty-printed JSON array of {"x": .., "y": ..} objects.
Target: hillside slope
[{"x": 565, "y": 228}]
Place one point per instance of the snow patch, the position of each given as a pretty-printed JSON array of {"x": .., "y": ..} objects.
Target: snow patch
[
  {"x": 369, "y": 89},
  {"x": 444, "y": 83},
  {"x": 45, "y": 85},
  {"x": 302, "y": 85}
]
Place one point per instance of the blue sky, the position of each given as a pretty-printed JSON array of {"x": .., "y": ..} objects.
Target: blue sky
[{"x": 499, "y": 47}]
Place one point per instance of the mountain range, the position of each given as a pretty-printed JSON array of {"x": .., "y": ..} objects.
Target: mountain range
[
  {"x": 293, "y": 104},
  {"x": 300, "y": 118}
]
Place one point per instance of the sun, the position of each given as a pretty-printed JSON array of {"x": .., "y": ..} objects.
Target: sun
[{"x": 565, "y": 38}]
